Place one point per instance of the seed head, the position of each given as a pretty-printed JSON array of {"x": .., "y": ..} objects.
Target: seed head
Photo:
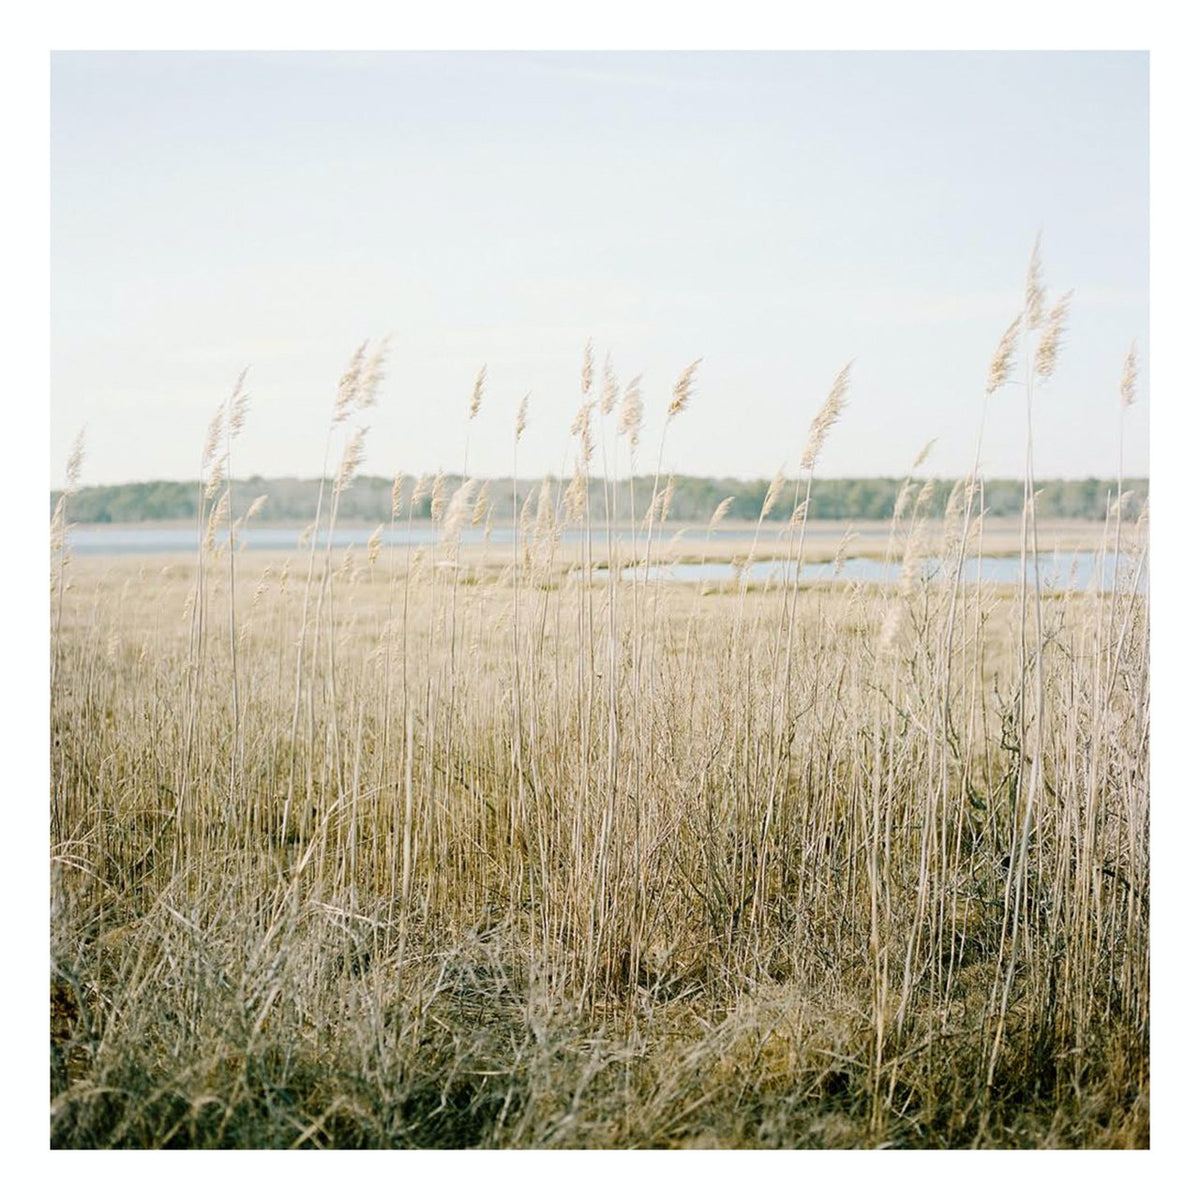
[
  {"x": 610, "y": 389},
  {"x": 459, "y": 509},
  {"x": 372, "y": 376},
  {"x": 477, "y": 393},
  {"x": 347, "y": 390},
  {"x": 720, "y": 513},
  {"x": 437, "y": 496},
  {"x": 681, "y": 395},
  {"x": 588, "y": 372},
  {"x": 1035, "y": 292},
  {"x": 1129, "y": 377},
  {"x": 575, "y": 499},
  {"x": 75, "y": 461},
  {"x": 1000, "y": 371},
  {"x": 824, "y": 421},
  {"x": 1047, "y": 352},
  {"x": 238, "y": 405},
  {"x": 352, "y": 459},
  {"x": 255, "y": 508},
  {"x": 212, "y": 439},
  {"x": 374, "y": 545},
  {"x": 522, "y": 413},
  {"x": 481, "y": 505},
  {"x": 420, "y": 490},
  {"x": 629, "y": 422},
  {"x": 772, "y": 496},
  {"x": 581, "y": 427}
]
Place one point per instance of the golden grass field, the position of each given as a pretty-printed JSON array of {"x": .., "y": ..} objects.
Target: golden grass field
[{"x": 448, "y": 848}]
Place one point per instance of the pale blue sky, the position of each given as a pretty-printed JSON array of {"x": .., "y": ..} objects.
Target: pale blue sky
[{"x": 775, "y": 214}]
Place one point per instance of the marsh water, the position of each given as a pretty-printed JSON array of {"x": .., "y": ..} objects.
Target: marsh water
[
  {"x": 1080, "y": 570},
  {"x": 153, "y": 538}
]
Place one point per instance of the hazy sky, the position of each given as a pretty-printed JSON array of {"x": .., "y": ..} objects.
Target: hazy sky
[{"x": 775, "y": 214}]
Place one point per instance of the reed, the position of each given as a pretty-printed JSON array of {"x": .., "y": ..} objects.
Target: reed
[{"x": 481, "y": 847}]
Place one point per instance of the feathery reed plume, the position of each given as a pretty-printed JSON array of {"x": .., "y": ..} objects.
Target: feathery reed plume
[
  {"x": 255, "y": 508},
  {"x": 481, "y": 505},
  {"x": 581, "y": 427},
  {"x": 58, "y": 525},
  {"x": 651, "y": 513},
  {"x": 525, "y": 521},
  {"x": 976, "y": 530},
  {"x": 923, "y": 497},
  {"x": 522, "y": 415},
  {"x": 919, "y": 461},
  {"x": 587, "y": 374},
  {"x": 347, "y": 390},
  {"x": 1118, "y": 506},
  {"x": 437, "y": 496},
  {"x": 1035, "y": 291},
  {"x": 1129, "y": 377},
  {"x": 681, "y": 394},
  {"x": 75, "y": 462},
  {"x": 397, "y": 493},
  {"x": 575, "y": 498},
  {"x": 420, "y": 491},
  {"x": 545, "y": 509},
  {"x": 239, "y": 405},
  {"x": 374, "y": 545},
  {"x": 1051, "y": 340},
  {"x": 216, "y": 476},
  {"x": 477, "y": 393},
  {"x": 955, "y": 501},
  {"x": 953, "y": 524},
  {"x": 772, "y": 496},
  {"x": 843, "y": 547},
  {"x": 217, "y": 518},
  {"x": 373, "y": 375},
  {"x": 352, "y": 459},
  {"x": 610, "y": 388},
  {"x": 1000, "y": 370},
  {"x": 668, "y": 494},
  {"x": 458, "y": 510},
  {"x": 212, "y": 439},
  {"x": 824, "y": 421},
  {"x": 629, "y": 421},
  {"x": 720, "y": 513}
]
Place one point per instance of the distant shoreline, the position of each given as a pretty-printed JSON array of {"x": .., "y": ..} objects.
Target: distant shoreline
[
  {"x": 726, "y": 527},
  {"x": 678, "y": 541},
  {"x": 370, "y": 500}
]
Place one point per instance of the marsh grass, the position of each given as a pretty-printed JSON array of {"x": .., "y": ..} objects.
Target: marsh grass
[{"x": 403, "y": 852}]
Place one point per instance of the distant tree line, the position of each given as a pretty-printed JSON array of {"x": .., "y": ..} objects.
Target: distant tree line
[{"x": 369, "y": 498}]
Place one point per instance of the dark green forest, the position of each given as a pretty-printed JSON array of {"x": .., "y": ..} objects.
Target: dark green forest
[{"x": 369, "y": 498}]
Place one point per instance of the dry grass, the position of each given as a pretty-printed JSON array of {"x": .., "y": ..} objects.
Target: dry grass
[{"x": 374, "y": 851}]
